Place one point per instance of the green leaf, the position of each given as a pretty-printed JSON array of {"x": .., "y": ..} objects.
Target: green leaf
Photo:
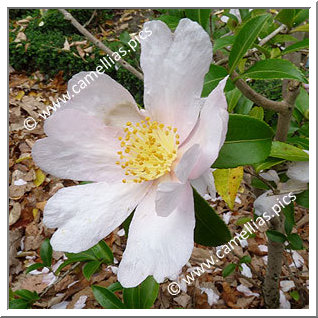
[
  {"x": 289, "y": 218},
  {"x": 220, "y": 43},
  {"x": 82, "y": 256},
  {"x": 302, "y": 142},
  {"x": 301, "y": 28},
  {"x": 199, "y": 15},
  {"x": 295, "y": 241},
  {"x": 212, "y": 78},
  {"x": 27, "y": 295},
  {"x": 257, "y": 112},
  {"x": 294, "y": 294},
  {"x": 228, "y": 269},
  {"x": 304, "y": 44},
  {"x": 300, "y": 16},
  {"x": 258, "y": 184},
  {"x": 244, "y": 105},
  {"x": 46, "y": 253},
  {"x": 282, "y": 38},
  {"x": 171, "y": 21},
  {"x": 268, "y": 163},
  {"x": 245, "y": 39},
  {"x": 276, "y": 236},
  {"x": 106, "y": 298},
  {"x": 33, "y": 267},
  {"x": 302, "y": 101},
  {"x": 19, "y": 304},
  {"x": 286, "y": 16},
  {"x": 90, "y": 268},
  {"x": 142, "y": 296},
  {"x": 274, "y": 69},
  {"x": 245, "y": 259},
  {"x": 248, "y": 141},
  {"x": 303, "y": 199},
  {"x": 288, "y": 152},
  {"x": 243, "y": 220},
  {"x": 210, "y": 230},
  {"x": 115, "y": 287},
  {"x": 232, "y": 98},
  {"x": 103, "y": 252},
  {"x": 245, "y": 14}
]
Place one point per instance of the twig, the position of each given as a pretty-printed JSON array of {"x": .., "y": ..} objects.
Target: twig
[
  {"x": 59, "y": 279},
  {"x": 90, "y": 19},
  {"x": 99, "y": 44}
]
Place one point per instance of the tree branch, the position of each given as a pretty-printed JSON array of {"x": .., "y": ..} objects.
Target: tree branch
[
  {"x": 99, "y": 44},
  {"x": 256, "y": 97}
]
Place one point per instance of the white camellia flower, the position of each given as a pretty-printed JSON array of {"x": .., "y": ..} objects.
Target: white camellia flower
[{"x": 138, "y": 159}]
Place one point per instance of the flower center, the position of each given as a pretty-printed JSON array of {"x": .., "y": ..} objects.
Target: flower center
[{"x": 148, "y": 150}]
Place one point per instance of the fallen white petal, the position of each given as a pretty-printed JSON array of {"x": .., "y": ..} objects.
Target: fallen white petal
[
  {"x": 226, "y": 217},
  {"x": 212, "y": 296},
  {"x": 246, "y": 291},
  {"x": 80, "y": 304},
  {"x": 246, "y": 271},
  {"x": 283, "y": 302},
  {"x": 61, "y": 305},
  {"x": 286, "y": 285},
  {"x": 19, "y": 182},
  {"x": 121, "y": 232}
]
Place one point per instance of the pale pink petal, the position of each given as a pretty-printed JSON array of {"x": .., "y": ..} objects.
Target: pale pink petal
[
  {"x": 85, "y": 214},
  {"x": 205, "y": 184},
  {"x": 157, "y": 246},
  {"x": 174, "y": 67},
  {"x": 79, "y": 147},
  {"x": 101, "y": 97},
  {"x": 210, "y": 131},
  {"x": 170, "y": 195}
]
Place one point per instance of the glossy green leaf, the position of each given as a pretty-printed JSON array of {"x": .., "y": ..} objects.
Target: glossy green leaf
[
  {"x": 295, "y": 241},
  {"x": 244, "y": 105},
  {"x": 115, "y": 287},
  {"x": 300, "y": 16},
  {"x": 232, "y": 98},
  {"x": 210, "y": 230},
  {"x": 257, "y": 112},
  {"x": 283, "y": 38},
  {"x": 245, "y": 14},
  {"x": 34, "y": 267},
  {"x": 19, "y": 304},
  {"x": 289, "y": 218},
  {"x": 82, "y": 256},
  {"x": 303, "y": 199},
  {"x": 223, "y": 42},
  {"x": 248, "y": 141},
  {"x": 106, "y": 298},
  {"x": 228, "y": 269},
  {"x": 268, "y": 163},
  {"x": 304, "y": 44},
  {"x": 302, "y": 101},
  {"x": 103, "y": 252},
  {"x": 288, "y": 152},
  {"x": 212, "y": 78},
  {"x": 294, "y": 294},
  {"x": 245, "y": 39},
  {"x": 286, "y": 16},
  {"x": 90, "y": 268},
  {"x": 276, "y": 236},
  {"x": 46, "y": 253},
  {"x": 301, "y": 28},
  {"x": 142, "y": 296},
  {"x": 302, "y": 142},
  {"x": 245, "y": 259},
  {"x": 199, "y": 15},
  {"x": 27, "y": 295},
  {"x": 243, "y": 220},
  {"x": 274, "y": 69}
]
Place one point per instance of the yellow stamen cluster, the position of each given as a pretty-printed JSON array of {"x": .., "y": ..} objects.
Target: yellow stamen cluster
[{"x": 148, "y": 150}]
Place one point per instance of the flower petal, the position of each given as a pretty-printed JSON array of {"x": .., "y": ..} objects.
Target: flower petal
[
  {"x": 157, "y": 246},
  {"x": 79, "y": 147},
  {"x": 85, "y": 214},
  {"x": 299, "y": 171},
  {"x": 103, "y": 98},
  {"x": 205, "y": 184},
  {"x": 210, "y": 131},
  {"x": 174, "y": 67},
  {"x": 169, "y": 195}
]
